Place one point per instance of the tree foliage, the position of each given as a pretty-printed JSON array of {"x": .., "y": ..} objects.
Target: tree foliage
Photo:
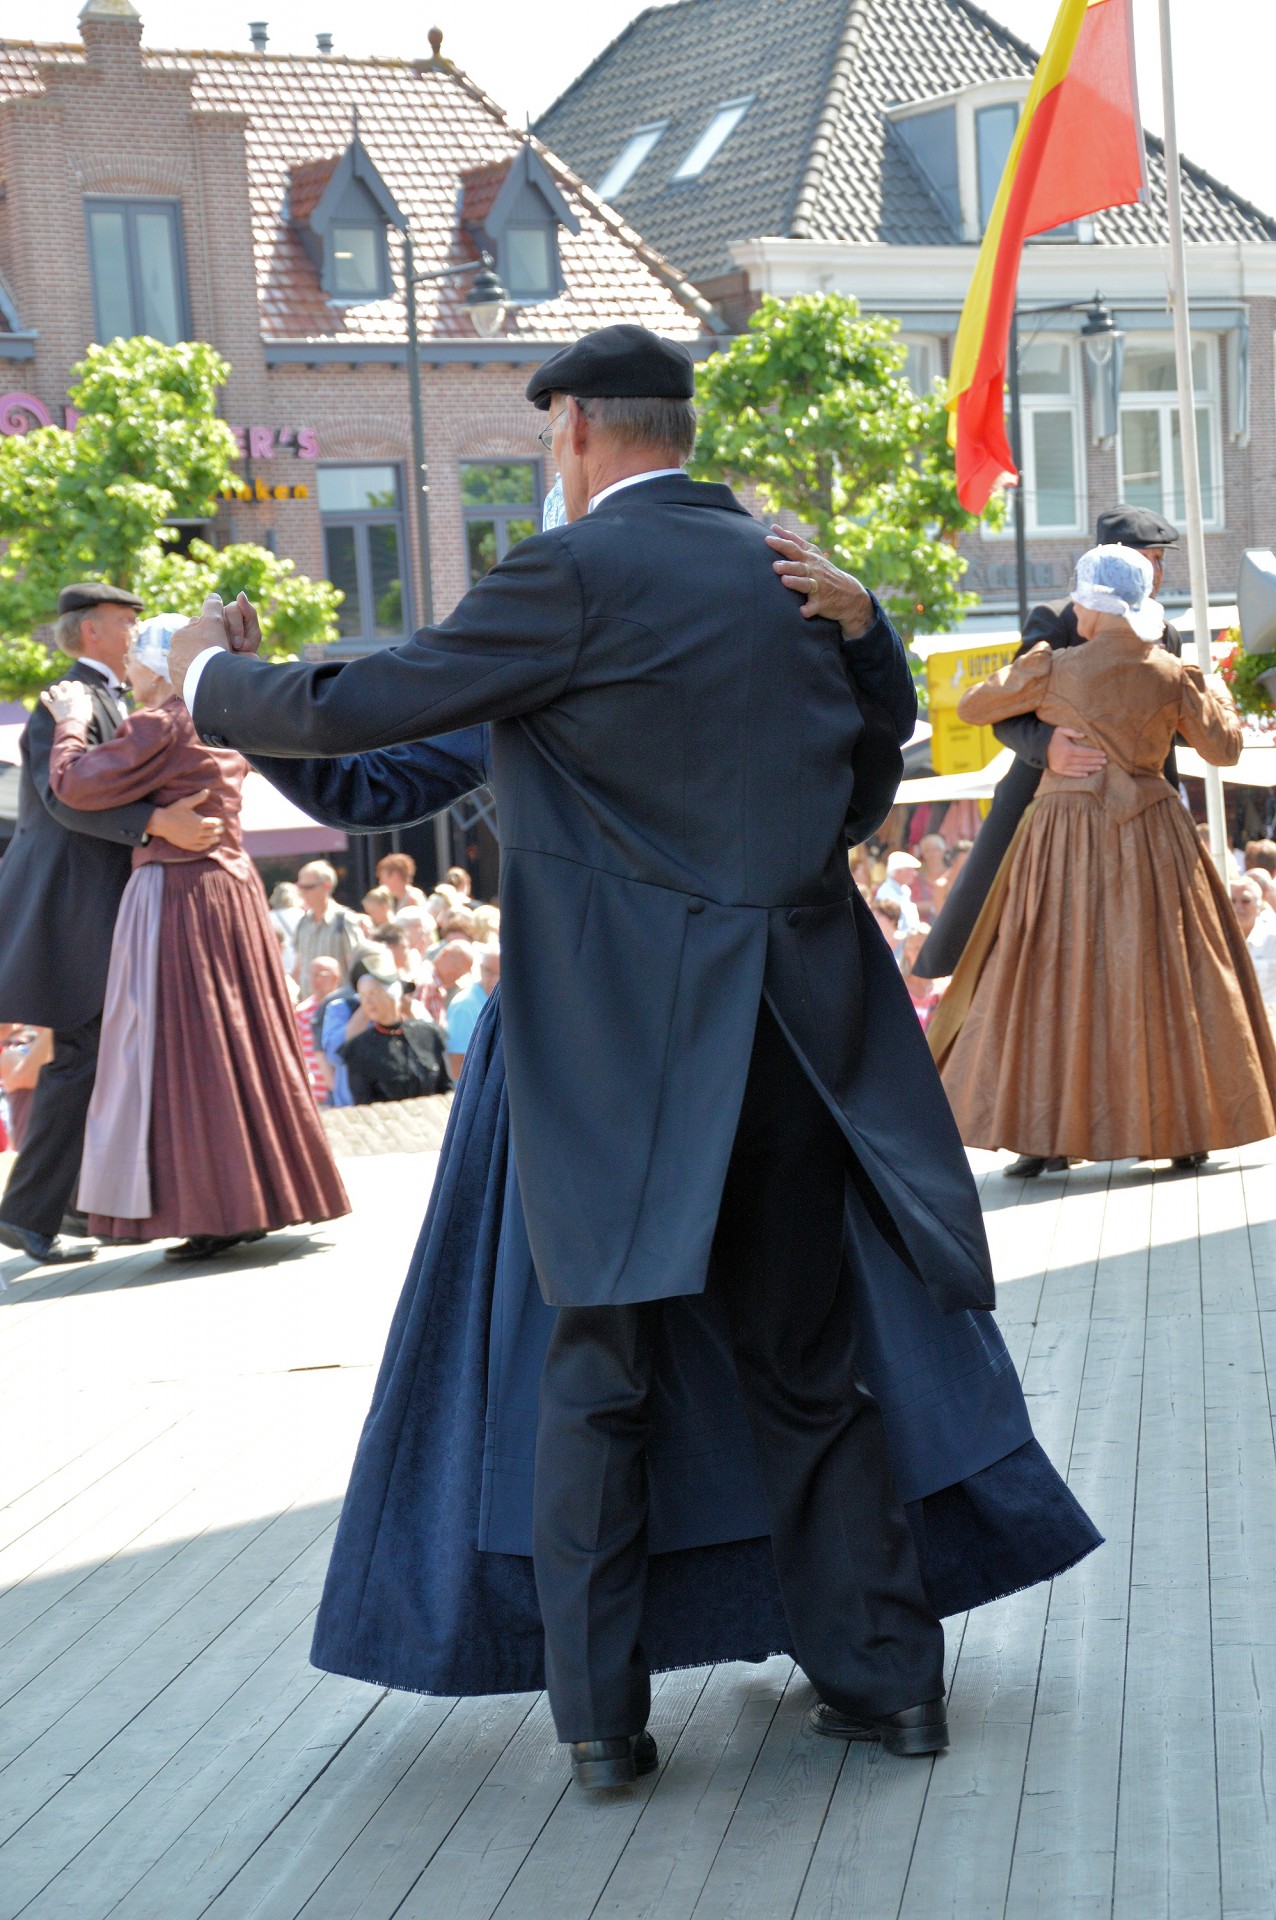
[
  {"x": 148, "y": 449},
  {"x": 811, "y": 406}
]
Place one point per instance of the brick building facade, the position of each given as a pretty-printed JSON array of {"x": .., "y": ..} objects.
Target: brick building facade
[{"x": 258, "y": 202}]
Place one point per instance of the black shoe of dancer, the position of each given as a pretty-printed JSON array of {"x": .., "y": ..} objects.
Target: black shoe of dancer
[
  {"x": 912, "y": 1732},
  {"x": 1189, "y": 1162},
  {"x": 612, "y": 1763},
  {"x": 206, "y": 1246},
  {"x": 46, "y": 1249},
  {"x": 1029, "y": 1165}
]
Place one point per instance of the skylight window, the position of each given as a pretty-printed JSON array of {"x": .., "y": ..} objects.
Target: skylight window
[
  {"x": 720, "y": 128},
  {"x": 629, "y": 159}
]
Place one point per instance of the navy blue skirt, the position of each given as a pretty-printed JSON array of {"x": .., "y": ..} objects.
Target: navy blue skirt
[{"x": 430, "y": 1587}]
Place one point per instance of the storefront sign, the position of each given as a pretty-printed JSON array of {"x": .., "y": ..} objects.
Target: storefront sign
[
  {"x": 259, "y": 490},
  {"x": 956, "y": 746},
  {"x": 21, "y": 413}
]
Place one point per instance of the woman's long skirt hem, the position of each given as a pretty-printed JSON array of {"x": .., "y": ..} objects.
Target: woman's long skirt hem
[{"x": 236, "y": 1143}]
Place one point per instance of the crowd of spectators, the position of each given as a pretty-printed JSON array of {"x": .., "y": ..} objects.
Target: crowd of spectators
[{"x": 386, "y": 999}]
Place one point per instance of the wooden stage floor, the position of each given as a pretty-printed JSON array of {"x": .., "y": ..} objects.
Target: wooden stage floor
[{"x": 173, "y": 1450}]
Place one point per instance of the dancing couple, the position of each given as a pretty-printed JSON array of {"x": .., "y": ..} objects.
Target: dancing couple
[{"x": 705, "y": 1275}]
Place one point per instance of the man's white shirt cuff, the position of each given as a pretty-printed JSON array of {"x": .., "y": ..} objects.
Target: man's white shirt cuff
[{"x": 193, "y": 672}]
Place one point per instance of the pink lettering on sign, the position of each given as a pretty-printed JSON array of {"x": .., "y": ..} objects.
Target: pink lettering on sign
[
  {"x": 241, "y": 441},
  {"x": 307, "y": 444},
  {"x": 261, "y": 443},
  {"x": 265, "y": 443},
  {"x": 20, "y": 412}
]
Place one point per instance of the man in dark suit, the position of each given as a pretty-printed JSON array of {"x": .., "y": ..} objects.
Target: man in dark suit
[
  {"x": 678, "y": 762},
  {"x": 60, "y": 887},
  {"x": 1036, "y": 747}
]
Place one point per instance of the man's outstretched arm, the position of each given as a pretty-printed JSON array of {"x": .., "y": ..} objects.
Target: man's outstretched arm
[
  {"x": 391, "y": 787},
  {"x": 508, "y": 649}
]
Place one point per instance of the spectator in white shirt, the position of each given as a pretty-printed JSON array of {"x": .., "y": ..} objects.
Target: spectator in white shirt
[{"x": 1258, "y": 924}]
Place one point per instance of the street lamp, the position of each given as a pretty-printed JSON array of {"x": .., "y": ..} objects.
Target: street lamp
[
  {"x": 1100, "y": 337},
  {"x": 486, "y": 304}
]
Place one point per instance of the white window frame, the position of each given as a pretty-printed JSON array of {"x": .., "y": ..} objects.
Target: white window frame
[
  {"x": 1029, "y": 404},
  {"x": 929, "y": 345},
  {"x": 1167, "y": 405},
  {"x": 708, "y": 144}
]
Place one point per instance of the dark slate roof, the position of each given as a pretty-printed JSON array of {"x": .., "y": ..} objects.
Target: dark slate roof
[{"x": 815, "y": 157}]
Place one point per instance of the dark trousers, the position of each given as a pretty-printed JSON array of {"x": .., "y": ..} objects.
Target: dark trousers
[
  {"x": 862, "y": 1628},
  {"x": 46, "y": 1172}
]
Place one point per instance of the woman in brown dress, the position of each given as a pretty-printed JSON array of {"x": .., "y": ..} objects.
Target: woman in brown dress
[
  {"x": 1111, "y": 1007},
  {"x": 202, "y": 1123}
]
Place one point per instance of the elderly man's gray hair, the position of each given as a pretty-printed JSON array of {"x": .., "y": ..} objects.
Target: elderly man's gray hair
[{"x": 668, "y": 424}]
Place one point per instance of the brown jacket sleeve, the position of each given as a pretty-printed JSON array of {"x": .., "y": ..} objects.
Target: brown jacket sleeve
[
  {"x": 129, "y": 767},
  {"x": 1018, "y": 688},
  {"x": 1208, "y": 721}
]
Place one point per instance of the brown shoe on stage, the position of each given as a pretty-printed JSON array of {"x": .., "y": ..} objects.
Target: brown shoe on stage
[{"x": 912, "y": 1732}]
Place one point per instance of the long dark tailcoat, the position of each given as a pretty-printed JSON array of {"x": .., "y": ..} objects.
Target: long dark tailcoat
[
  {"x": 61, "y": 881},
  {"x": 679, "y": 759},
  {"x": 1055, "y": 621}
]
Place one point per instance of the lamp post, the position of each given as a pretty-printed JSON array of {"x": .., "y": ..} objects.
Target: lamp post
[
  {"x": 1100, "y": 337},
  {"x": 486, "y": 303}
]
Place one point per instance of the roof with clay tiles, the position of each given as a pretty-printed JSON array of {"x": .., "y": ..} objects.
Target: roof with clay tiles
[
  {"x": 815, "y": 156},
  {"x": 426, "y": 125}
]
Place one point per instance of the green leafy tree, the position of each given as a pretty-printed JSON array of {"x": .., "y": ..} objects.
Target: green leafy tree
[
  {"x": 148, "y": 449},
  {"x": 811, "y": 406}
]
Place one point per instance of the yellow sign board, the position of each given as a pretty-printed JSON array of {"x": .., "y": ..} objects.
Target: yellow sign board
[{"x": 956, "y": 746}]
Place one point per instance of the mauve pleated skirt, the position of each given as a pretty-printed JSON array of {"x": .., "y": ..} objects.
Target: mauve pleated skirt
[{"x": 236, "y": 1143}]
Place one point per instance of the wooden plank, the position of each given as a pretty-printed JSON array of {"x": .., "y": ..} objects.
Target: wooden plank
[
  {"x": 1227, "y": 1267},
  {"x": 571, "y": 1860},
  {"x": 1065, "y": 1846},
  {"x": 1242, "y": 1547},
  {"x": 1174, "y": 1265},
  {"x": 864, "y": 1852},
  {"x": 1072, "y": 1263},
  {"x": 1121, "y": 1283},
  {"x": 1167, "y": 1823},
  {"x": 668, "y": 1858},
  {"x": 1258, "y": 1185}
]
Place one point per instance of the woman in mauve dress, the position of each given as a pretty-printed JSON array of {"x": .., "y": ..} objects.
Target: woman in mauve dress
[{"x": 202, "y": 1125}]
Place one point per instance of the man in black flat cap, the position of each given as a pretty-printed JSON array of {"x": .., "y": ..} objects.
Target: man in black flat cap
[
  {"x": 60, "y": 888},
  {"x": 680, "y": 761},
  {"x": 1036, "y": 747}
]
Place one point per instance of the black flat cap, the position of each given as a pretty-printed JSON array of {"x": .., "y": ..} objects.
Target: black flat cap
[
  {"x": 616, "y": 363},
  {"x": 1134, "y": 527},
  {"x": 95, "y": 593}
]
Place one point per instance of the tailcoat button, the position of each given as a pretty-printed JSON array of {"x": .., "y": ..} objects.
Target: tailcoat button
[
  {"x": 695, "y": 906},
  {"x": 795, "y": 916}
]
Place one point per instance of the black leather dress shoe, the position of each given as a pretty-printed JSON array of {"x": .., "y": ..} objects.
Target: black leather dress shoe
[
  {"x": 912, "y": 1731},
  {"x": 207, "y": 1246},
  {"x": 46, "y": 1249},
  {"x": 612, "y": 1763},
  {"x": 1026, "y": 1167},
  {"x": 1189, "y": 1162}
]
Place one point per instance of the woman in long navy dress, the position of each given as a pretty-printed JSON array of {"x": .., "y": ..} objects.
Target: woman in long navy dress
[{"x": 430, "y": 1586}]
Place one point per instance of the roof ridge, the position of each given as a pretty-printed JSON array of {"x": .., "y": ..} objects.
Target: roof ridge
[
  {"x": 825, "y": 127},
  {"x": 1211, "y": 180},
  {"x": 610, "y": 48}
]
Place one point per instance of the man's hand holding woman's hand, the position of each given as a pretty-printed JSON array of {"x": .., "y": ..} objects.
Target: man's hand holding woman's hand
[
  {"x": 235, "y": 628},
  {"x": 69, "y": 700},
  {"x": 830, "y": 593}
]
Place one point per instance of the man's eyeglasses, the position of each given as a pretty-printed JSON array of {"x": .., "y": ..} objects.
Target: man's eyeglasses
[{"x": 546, "y": 435}]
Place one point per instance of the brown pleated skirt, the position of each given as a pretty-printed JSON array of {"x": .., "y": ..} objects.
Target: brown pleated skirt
[
  {"x": 1116, "y": 1014},
  {"x": 235, "y": 1141}
]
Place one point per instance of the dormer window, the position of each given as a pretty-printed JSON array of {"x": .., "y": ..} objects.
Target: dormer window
[
  {"x": 342, "y": 210},
  {"x": 514, "y": 210},
  {"x": 960, "y": 143}
]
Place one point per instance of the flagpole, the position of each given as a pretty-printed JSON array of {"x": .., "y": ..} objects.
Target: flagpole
[{"x": 1197, "y": 577}]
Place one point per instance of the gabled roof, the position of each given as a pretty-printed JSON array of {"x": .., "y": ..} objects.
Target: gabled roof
[
  {"x": 425, "y": 126},
  {"x": 815, "y": 157}
]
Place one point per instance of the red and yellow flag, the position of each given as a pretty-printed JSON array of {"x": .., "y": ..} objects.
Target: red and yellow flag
[{"x": 1078, "y": 148}]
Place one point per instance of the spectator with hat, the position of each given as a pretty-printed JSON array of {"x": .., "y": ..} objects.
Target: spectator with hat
[{"x": 60, "y": 888}]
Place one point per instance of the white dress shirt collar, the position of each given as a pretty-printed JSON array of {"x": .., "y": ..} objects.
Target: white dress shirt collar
[
  {"x": 114, "y": 683},
  {"x": 636, "y": 480}
]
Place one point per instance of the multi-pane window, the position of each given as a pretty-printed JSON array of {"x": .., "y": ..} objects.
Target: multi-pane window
[
  {"x": 135, "y": 259},
  {"x": 361, "y": 513},
  {"x": 501, "y": 504},
  {"x": 994, "y": 136},
  {"x": 1151, "y": 445},
  {"x": 1053, "y": 441}
]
